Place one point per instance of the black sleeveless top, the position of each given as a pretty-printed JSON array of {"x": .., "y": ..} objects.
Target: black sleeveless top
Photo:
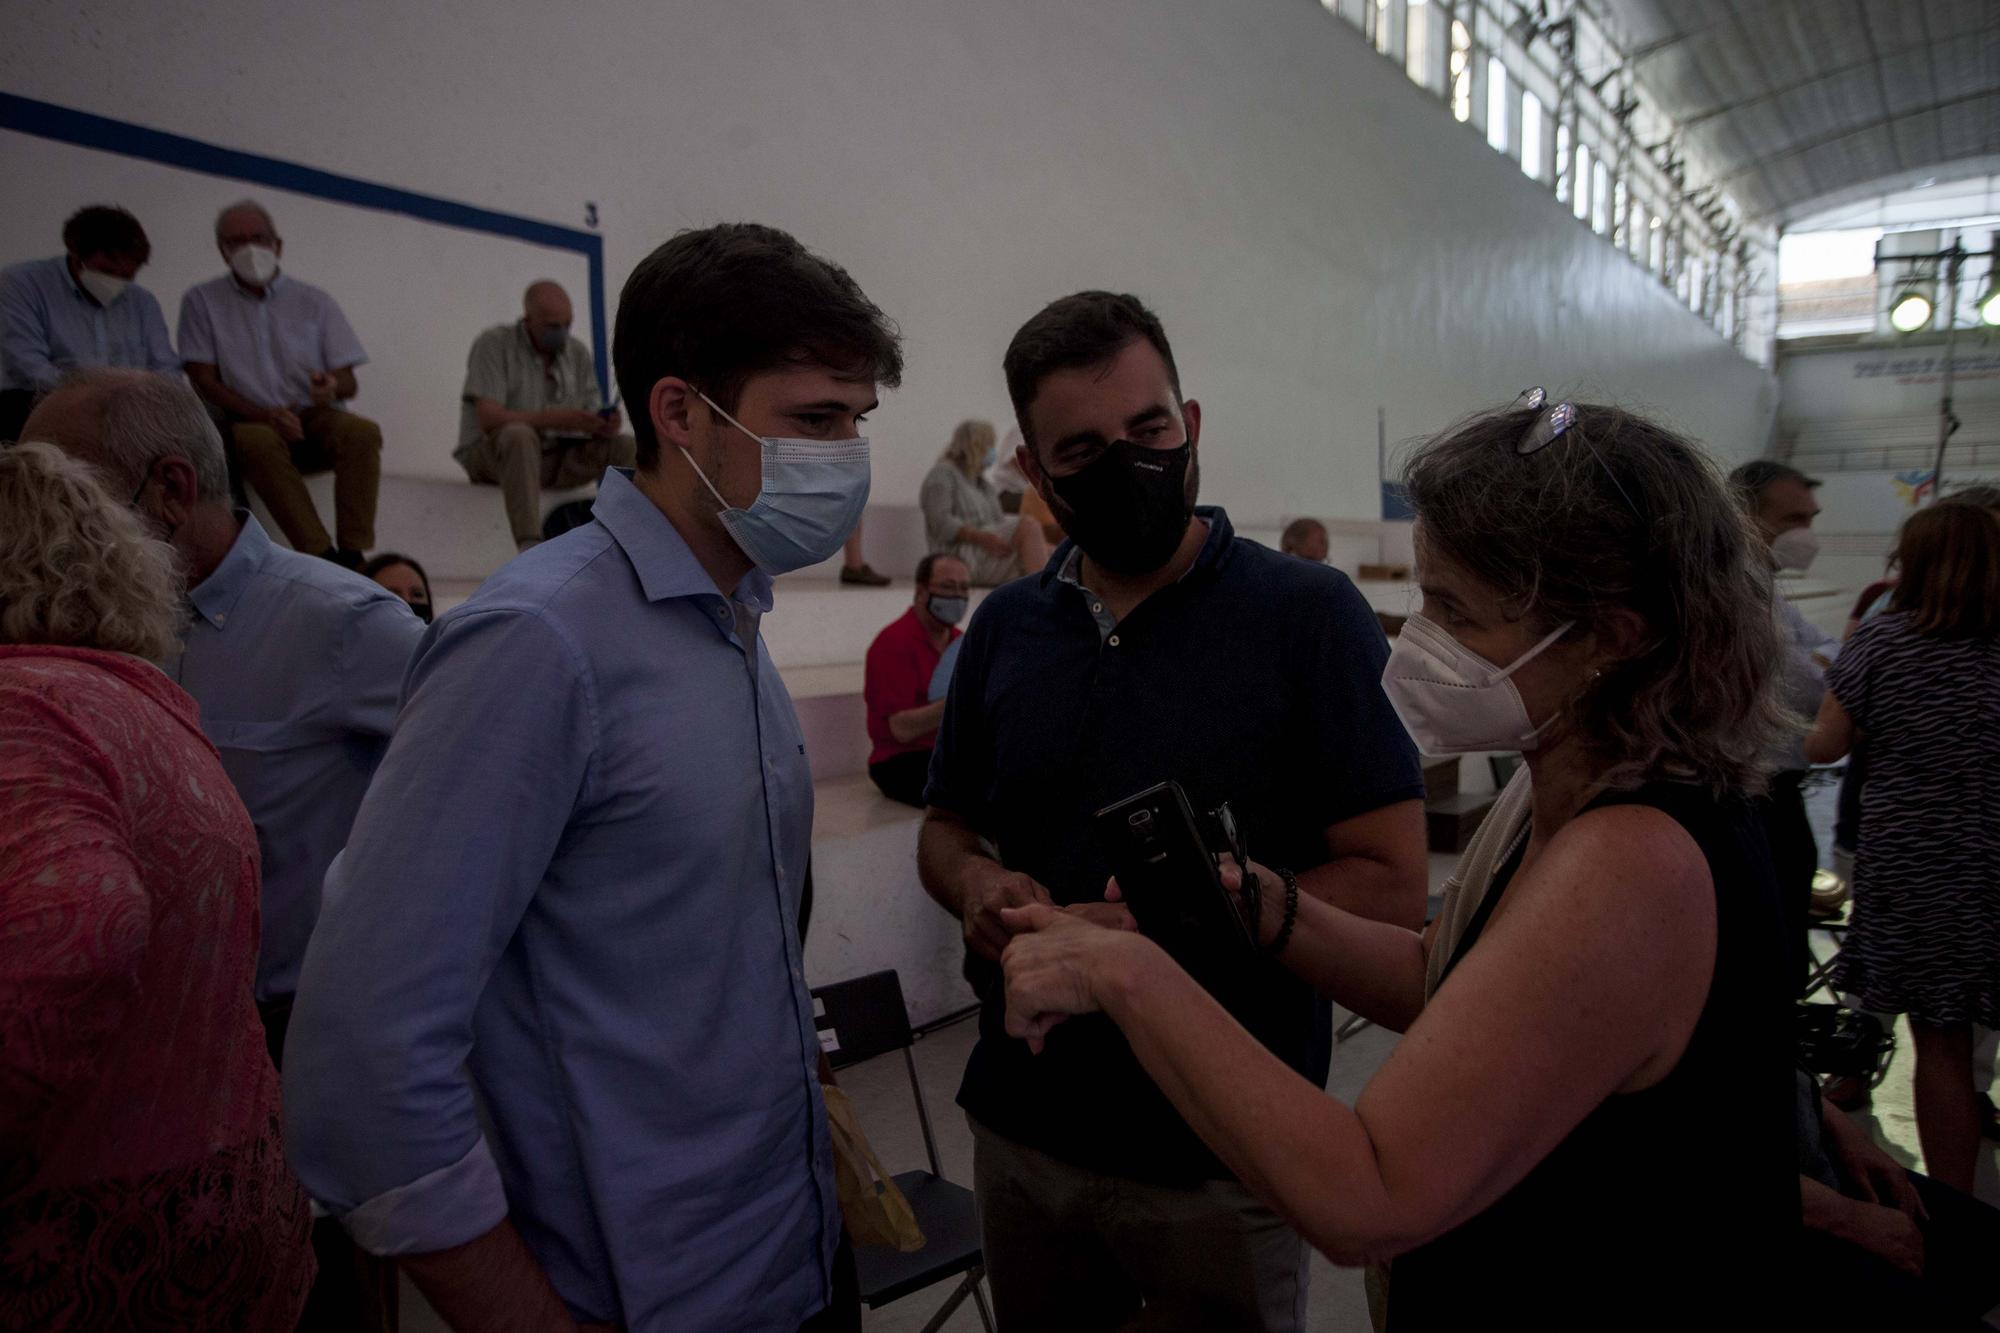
[{"x": 1673, "y": 1207}]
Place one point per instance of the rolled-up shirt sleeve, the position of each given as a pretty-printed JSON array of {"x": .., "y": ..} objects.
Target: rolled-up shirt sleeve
[
  {"x": 490, "y": 757},
  {"x": 339, "y": 348}
]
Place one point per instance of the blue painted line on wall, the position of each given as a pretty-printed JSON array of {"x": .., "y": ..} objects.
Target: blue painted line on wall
[{"x": 46, "y": 120}]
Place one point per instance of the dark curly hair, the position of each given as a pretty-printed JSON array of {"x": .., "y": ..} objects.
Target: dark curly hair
[{"x": 1619, "y": 512}]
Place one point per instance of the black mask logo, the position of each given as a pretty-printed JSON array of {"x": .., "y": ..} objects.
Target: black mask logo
[{"x": 1129, "y": 508}]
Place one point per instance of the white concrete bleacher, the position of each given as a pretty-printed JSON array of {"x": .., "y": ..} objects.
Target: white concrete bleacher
[{"x": 869, "y": 912}]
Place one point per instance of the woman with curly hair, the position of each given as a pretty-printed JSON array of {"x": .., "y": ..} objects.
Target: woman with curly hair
[
  {"x": 1590, "y": 1117},
  {"x": 142, "y": 1182}
]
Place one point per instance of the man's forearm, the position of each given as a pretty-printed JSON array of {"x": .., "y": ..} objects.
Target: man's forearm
[
  {"x": 492, "y": 416},
  {"x": 944, "y": 847},
  {"x": 490, "y": 1284},
  {"x": 208, "y": 383},
  {"x": 913, "y": 724}
]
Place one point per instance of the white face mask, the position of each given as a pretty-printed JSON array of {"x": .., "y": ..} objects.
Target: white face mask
[
  {"x": 1795, "y": 548},
  {"x": 1453, "y": 701},
  {"x": 254, "y": 264},
  {"x": 103, "y": 287}
]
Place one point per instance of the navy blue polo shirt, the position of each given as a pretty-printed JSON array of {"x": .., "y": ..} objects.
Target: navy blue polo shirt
[{"x": 1255, "y": 679}]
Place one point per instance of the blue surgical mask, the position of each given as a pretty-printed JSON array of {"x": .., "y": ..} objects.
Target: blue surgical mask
[
  {"x": 950, "y": 610},
  {"x": 812, "y": 496},
  {"x": 549, "y": 341}
]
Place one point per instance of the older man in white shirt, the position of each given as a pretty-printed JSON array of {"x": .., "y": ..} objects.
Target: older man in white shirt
[{"x": 276, "y": 357}]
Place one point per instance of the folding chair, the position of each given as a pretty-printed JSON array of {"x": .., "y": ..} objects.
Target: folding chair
[{"x": 867, "y": 1017}]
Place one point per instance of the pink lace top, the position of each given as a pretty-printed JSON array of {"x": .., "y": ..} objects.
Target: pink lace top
[{"x": 142, "y": 1183}]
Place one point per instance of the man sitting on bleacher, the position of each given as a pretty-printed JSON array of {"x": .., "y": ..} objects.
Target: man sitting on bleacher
[
  {"x": 532, "y": 414},
  {"x": 903, "y": 716},
  {"x": 275, "y": 357}
]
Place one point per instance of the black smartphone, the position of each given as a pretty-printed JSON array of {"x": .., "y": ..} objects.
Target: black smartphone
[{"x": 1170, "y": 878}]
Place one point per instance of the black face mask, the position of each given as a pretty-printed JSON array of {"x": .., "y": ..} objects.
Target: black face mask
[
  {"x": 1129, "y": 508},
  {"x": 423, "y": 610}
]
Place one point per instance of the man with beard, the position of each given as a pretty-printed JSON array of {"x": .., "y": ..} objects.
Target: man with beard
[{"x": 1155, "y": 645}]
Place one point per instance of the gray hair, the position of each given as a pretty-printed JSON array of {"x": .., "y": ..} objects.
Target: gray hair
[
  {"x": 77, "y": 567},
  {"x": 143, "y": 417},
  {"x": 254, "y": 207}
]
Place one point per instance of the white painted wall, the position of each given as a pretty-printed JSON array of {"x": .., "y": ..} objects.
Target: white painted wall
[
  {"x": 1850, "y": 409},
  {"x": 1318, "y": 234}
]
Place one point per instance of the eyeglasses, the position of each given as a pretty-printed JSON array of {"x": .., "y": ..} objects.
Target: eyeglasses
[{"x": 1551, "y": 425}]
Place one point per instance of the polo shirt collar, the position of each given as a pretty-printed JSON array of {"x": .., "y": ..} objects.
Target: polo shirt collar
[
  {"x": 217, "y": 595},
  {"x": 1066, "y": 565},
  {"x": 659, "y": 554}
]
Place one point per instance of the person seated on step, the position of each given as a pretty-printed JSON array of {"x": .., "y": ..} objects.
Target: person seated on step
[
  {"x": 405, "y": 577},
  {"x": 1306, "y": 539},
  {"x": 275, "y": 358},
  {"x": 78, "y": 311},
  {"x": 962, "y": 514},
  {"x": 902, "y": 716},
  {"x": 532, "y": 413}
]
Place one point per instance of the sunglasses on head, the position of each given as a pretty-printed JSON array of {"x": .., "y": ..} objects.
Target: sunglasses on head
[{"x": 1550, "y": 424}]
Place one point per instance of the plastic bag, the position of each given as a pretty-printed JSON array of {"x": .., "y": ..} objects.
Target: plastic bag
[{"x": 875, "y": 1210}]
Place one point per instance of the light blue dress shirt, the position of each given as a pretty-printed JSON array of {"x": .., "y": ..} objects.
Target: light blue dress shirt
[
  {"x": 1801, "y": 679},
  {"x": 267, "y": 347},
  {"x": 296, "y": 664},
  {"x": 50, "y": 326},
  {"x": 558, "y": 974}
]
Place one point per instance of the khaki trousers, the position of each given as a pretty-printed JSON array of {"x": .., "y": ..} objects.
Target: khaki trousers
[
  {"x": 514, "y": 459},
  {"x": 1072, "y": 1250},
  {"x": 349, "y": 445}
]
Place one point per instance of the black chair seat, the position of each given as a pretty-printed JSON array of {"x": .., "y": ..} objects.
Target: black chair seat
[{"x": 950, "y": 1223}]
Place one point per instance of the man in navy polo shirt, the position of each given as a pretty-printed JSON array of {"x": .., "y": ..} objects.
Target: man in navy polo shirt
[{"x": 1156, "y": 644}]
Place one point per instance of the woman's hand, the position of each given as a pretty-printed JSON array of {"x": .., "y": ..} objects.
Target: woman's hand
[
  {"x": 1271, "y": 912},
  {"x": 1056, "y": 964}
]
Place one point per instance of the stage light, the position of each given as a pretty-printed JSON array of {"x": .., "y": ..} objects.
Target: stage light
[
  {"x": 1989, "y": 307},
  {"x": 1912, "y": 308}
]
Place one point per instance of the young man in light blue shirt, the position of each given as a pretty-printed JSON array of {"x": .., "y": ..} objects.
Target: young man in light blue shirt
[
  {"x": 78, "y": 311},
  {"x": 554, "y": 1048},
  {"x": 276, "y": 357}
]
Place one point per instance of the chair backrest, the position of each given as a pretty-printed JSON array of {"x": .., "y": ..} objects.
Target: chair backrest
[
  {"x": 866, "y": 1017},
  {"x": 862, "y": 1018}
]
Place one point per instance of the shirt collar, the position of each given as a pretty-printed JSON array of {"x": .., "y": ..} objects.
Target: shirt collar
[
  {"x": 218, "y": 594},
  {"x": 659, "y": 554},
  {"x": 71, "y": 280},
  {"x": 1066, "y": 565},
  {"x": 270, "y": 288}
]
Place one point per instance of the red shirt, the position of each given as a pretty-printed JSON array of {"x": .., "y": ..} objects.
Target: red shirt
[
  {"x": 897, "y": 679},
  {"x": 137, "y": 1105}
]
